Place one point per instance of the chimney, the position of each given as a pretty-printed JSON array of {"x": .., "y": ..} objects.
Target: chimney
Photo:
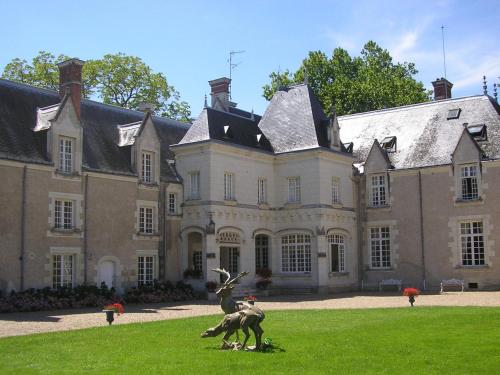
[
  {"x": 442, "y": 88},
  {"x": 70, "y": 80},
  {"x": 220, "y": 93}
]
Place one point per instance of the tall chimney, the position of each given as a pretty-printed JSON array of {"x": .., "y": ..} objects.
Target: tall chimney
[
  {"x": 220, "y": 93},
  {"x": 70, "y": 80},
  {"x": 442, "y": 88}
]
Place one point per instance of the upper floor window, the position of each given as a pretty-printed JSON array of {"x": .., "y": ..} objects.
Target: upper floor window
[
  {"x": 337, "y": 252},
  {"x": 296, "y": 253},
  {"x": 469, "y": 182},
  {"x": 194, "y": 185},
  {"x": 63, "y": 214},
  {"x": 293, "y": 189},
  {"x": 63, "y": 271},
  {"x": 262, "y": 190},
  {"x": 380, "y": 245},
  {"x": 147, "y": 167},
  {"x": 172, "y": 203},
  {"x": 335, "y": 190},
  {"x": 378, "y": 190},
  {"x": 146, "y": 220},
  {"x": 66, "y": 149},
  {"x": 228, "y": 186},
  {"x": 472, "y": 243}
]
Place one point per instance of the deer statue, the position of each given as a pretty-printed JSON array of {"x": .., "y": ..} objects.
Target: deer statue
[
  {"x": 227, "y": 303},
  {"x": 243, "y": 319}
]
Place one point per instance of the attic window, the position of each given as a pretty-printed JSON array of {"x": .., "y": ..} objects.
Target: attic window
[
  {"x": 258, "y": 137},
  {"x": 454, "y": 114},
  {"x": 478, "y": 132},
  {"x": 227, "y": 131},
  {"x": 389, "y": 144},
  {"x": 348, "y": 147}
]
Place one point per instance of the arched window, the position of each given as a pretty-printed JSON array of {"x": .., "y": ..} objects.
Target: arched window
[
  {"x": 336, "y": 243},
  {"x": 261, "y": 252},
  {"x": 229, "y": 237},
  {"x": 296, "y": 253}
]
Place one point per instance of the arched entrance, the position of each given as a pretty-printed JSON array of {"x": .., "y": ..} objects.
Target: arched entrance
[{"x": 230, "y": 252}]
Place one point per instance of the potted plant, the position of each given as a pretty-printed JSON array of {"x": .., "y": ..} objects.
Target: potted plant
[
  {"x": 110, "y": 311},
  {"x": 250, "y": 299},
  {"x": 411, "y": 293}
]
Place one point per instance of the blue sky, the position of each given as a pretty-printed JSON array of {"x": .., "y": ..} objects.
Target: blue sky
[{"x": 189, "y": 41}]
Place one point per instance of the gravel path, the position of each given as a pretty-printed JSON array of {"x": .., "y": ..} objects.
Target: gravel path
[{"x": 61, "y": 320}]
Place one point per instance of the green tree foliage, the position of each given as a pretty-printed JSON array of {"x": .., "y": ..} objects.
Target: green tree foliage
[
  {"x": 354, "y": 84},
  {"x": 116, "y": 79}
]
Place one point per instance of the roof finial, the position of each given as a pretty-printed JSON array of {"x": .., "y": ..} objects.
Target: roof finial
[
  {"x": 252, "y": 116},
  {"x": 306, "y": 77},
  {"x": 485, "y": 87},
  {"x": 495, "y": 94},
  {"x": 206, "y": 104}
]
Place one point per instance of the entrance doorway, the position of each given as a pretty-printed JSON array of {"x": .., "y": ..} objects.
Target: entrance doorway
[
  {"x": 230, "y": 260},
  {"x": 107, "y": 273}
]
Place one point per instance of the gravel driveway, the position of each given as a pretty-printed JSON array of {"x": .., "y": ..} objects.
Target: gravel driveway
[{"x": 60, "y": 320}]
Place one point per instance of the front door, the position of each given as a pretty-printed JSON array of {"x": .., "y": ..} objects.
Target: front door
[
  {"x": 106, "y": 273},
  {"x": 230, "y": 260}
]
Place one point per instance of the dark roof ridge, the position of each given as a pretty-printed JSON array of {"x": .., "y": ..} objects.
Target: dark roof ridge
[{"x": 230, "y": 113}]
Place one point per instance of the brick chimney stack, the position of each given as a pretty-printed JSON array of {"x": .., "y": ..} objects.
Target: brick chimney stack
[
  {"x": 220, "y": 93},
  {"x": 70, "y": 80},
  {"x": 442, "y": 89}
]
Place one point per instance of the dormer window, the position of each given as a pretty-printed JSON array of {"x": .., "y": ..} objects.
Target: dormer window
[
  {"x": 227, "y": 131},
  {"x": 348, "y": 147},
  {"x": 454, "y": 114},
  {"x": 66, "y": 148},
  {"x": 478, "y": 132},
  {"x": 389, "y": 144},
  {"x": 147, "y": 167}
]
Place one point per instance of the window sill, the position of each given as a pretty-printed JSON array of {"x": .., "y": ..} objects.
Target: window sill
[
  {"x": 293, "y": 275},
  {"x": 75, "y": 175},
  {"x": 384, "y": 207},
  {"x": 473, "y": 268},
  {"x": 146, "y": 236},
  {"x": 338, "y": 274},
  {"x": 62, "y": 230},
  {"x": 292, "y": 204},
  {"x": 337, "y": 205},
  {"x": 148, "y": 185},
  {"x": 58, "y": 232},
  {"x": 468, "y": 202},
  {"x": 390, "y": 269},
  {"x": 230, "y": 202},
  {"x": 263, "y": 205}
]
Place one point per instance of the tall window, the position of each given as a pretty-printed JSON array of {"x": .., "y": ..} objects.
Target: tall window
[
  {"x": 147, "y": 167},
  {"x": 145, "y": 270},
  {"x": 228, "y": 186},
  {"x": 146, "y": 220},
  {"x": 65, "y": 155},
  {"x": 378, "y": 190},
  {"x": 62, "y": 271},
  {"x": 296, "y": 253},
  {"x": 293, "y": 189},
  {"x": 261, "y": 251},
  {"x": 63, "y": 214},
  {"x": 197, "y": 260},
  {"x": 262, "y": 190},
  {"x": 335, "y": 190},
  {"x": 172, "y": 203},
  {"x": 472, "y": 238},
  {"x": 194, "y": 185},
  {"x": 380, "y": 242},
  {"x": 337, "y": 252},
  {"x": 469, "y": 182}
]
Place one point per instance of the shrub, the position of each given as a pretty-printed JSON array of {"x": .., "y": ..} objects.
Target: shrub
[
  {"x": 211, "y": 286},
  {"x": 193, "y": 274},
  {"x": 264, "y": 273}
]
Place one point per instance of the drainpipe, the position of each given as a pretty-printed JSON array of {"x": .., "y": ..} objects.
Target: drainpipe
[
  {"x": 23, "y": 228},
  {"x": 359, "y": 231},
  {"x": 85, "y": 229},
  {"x": 422, "y": 238},
  {"x": 162, "y": 246}
]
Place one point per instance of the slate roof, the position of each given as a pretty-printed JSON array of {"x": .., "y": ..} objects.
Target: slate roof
[
  {"x": 242, "y": 130},
  {"x": 18, "y": 109},
  {"x": 425, "y": 136}
]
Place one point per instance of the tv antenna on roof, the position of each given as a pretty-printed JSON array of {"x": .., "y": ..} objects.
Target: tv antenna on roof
[
  {"x": 444, "y": 54},
  {"x": 233, "y": 65}
]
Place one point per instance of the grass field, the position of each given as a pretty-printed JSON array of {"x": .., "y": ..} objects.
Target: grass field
[{"x": 416, "y": 340}]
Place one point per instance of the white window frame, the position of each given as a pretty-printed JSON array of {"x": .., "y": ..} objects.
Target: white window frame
[
  {"x": 64, "y": 214},
  {"x": 378, "y": 190},
  {"x": 66, "y": 154},
  {"x": 198, "y": 260},
  {"x": 296, "y": 253},
  {"x": 262, "y": 190},
  {"x": 293, "y": 189},
  {"x": 229, "y": 186},
  {"x": 469, "y": 182},
  {"x": 380, "y": 247},
  {"x": 147, "y": 167},
  {"x": 172, "y": 203},
  {"x": 146, "y": 263},
  {"x": 472, "y": 243},
  {"x": 336, "y": 242},
  {"x": 336, "y": 190},
  {"x": 147, "y": 220},
  {"x": 60, "y": 262},
  {"x": 194, "y": 185}
]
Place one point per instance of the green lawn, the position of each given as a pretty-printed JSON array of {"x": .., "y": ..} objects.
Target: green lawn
[{"x": 416, "y": 340}]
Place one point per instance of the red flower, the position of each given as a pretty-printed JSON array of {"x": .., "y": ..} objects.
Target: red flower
[
  {"x": 116, "y": 307},
  {"x": 250, "y": 298},
  {"x": 408, "y": 292}
]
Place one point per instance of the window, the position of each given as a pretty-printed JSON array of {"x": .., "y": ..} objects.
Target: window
[
  {"x": 228, "y": 186},
  {"x": 197, "y": 261},
  {"x": 296, "y": 253},
  {"x": 335, "y": 190},
  {"x": 337, "y": 252},
  {"x": 63, "y": 214},
  {"x": 469, "y": 182},
  {"x": 453, "y": 114},
  {"x": 378, "y": 190},
  {"x": 145, "y": 270},
  {"x": 472, "y": 239},
  {"x": 262, "y": 190},
  {"x": 63, "y": 266},
  {"x": 293, "y": 189},
  {"x": 380, "y": 244},
  {"x": 389, "y": 144},
  {"x": 478, "y": 132},
  {"x": 147, "y": 167},
  {"x": 65, "y": 155},
  {"x": 172, "y": 204},
  {"x": 261, "y": 251},
  {"x": 194, "y": 185},
  {"x": 146, "y": 220}
]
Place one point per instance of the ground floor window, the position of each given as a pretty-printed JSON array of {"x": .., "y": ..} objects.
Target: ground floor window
[
  {"x": 261, "y": 251},
  {"x": 380, "y": 243},
  {"x": 337, "y": 252},
  {"x": 145, "y": 270},
  {"x": 63, "y": 271},
  {"x": 296, "y": 253},
  {"x": 472, "y": 240},
  {"x": 197, "y": 261}
]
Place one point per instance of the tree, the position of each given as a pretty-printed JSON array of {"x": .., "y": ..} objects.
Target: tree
[
  {"x": 116, "y": 79},
  {"x": 354, "y": 84}
]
